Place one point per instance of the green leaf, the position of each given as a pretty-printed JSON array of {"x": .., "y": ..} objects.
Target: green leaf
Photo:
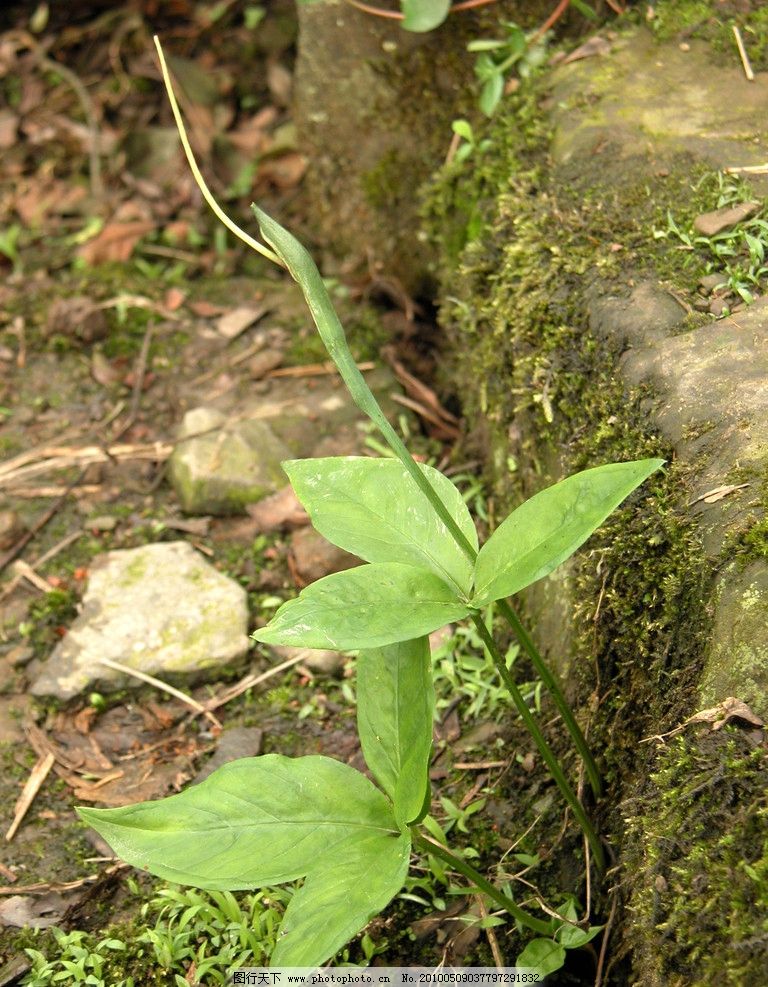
[
  {"x": 373, "y": 508},
  {"x": 544, "y": 955},
  {"x": 367, "y": 607},
  {"x": 395, "y": 707},
  {"x": 544, "y": 531},
  {"x": 491, "y": 93},
  {"x": 485, "y": 44},
  {"x": 573, "y": 937},
  {"x": 268, "y": 820},
  {"x": 464, "y": 129},
  {"x": 424, "y": 15},
  {"x": 335, "y": 903}
]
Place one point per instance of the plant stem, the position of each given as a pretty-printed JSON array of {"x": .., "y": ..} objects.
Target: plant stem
[
  {"x": 520, "y": 914},
  {"x": 304, "y": 271},
  {"x": 544, "y": 749},
  {"x": 553, "y": 687}
]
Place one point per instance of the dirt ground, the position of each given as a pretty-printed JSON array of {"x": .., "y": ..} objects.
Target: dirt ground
[{"x": 118, "y": 298}]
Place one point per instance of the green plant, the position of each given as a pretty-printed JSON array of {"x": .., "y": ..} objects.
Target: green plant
[
  {"x": 9, "y": 244},
  {"x": 496, "y": 57},
  {"x": 213, "y": 933},
  {"x": 737, "y": 253},
  {"x": 274, "y": 819},
  {"x": 470, "y": 144},
  {"x": 78, "y": 961}
]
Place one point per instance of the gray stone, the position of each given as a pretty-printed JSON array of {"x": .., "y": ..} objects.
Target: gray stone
[
  {"x": 233, "y": 744},
  {"x": 160, "y": 609},
  {"x": 624, "y": 100},
  {"x": 104, "y": 522},
  {"x": 219, "y": 466},
  {"x": 317, "y": 660},
  {"x": 710, "y": 282}
]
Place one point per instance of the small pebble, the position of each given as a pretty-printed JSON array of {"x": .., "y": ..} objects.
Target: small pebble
[{"x": 102, "y": 523}]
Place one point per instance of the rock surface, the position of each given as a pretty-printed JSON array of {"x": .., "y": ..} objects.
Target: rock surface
[
  {"x": 160, "y": 609},
  {"x": 664, "y": 612},
  {"x": 229, "y": 455},
  {"x": 220, "y": 466}
]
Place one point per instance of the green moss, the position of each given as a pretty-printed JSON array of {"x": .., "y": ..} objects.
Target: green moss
[
  {"x": 702, "y": 862},
  {"x": 713, "y": 22},
  {"x": 46, "y": 618}
]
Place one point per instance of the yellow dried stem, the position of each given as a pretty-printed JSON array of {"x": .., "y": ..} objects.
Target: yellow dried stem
[{"x": 207, "y": 195}]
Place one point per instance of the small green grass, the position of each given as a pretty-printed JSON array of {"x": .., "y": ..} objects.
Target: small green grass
[{"x": 738, "y": 253}]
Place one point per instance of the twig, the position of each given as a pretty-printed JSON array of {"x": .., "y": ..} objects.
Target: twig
[
  {"x": 138, "y": 381},
  {"x": 396, "y": 15},
  {"x": 55, "y": 490},
  {"x": 747, "y": 169},
  {"x": 493, "y": 942},
  {"x": 36, "y": 778},
  {"x": 446, "y": 430},
  {"x": 46, "y": 557},
  {"x": 479, "y": 766},
  {"x": 42, "y": 887},
  {"x": 743, "y": 54},
  {"x": 139, "y": 301},
  {"x": 250, "y": 681},
  {"x": 163, "y": 686},
  {"x": 604, "y": 943},
  {"x": 38, "y": 526},
  {"x": 553, "y": 18},
  {"x": 25, "y": 571},
  {"x": 26, "y": 40},
  {"x": 62, "y": 457},
  {"x": 315, "y": 370}
]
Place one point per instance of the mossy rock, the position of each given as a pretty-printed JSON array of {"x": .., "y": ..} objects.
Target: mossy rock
[{"x": 573, "y": 344}]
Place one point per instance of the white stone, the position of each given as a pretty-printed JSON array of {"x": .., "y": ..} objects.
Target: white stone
[{"x": 160, "y": 609}]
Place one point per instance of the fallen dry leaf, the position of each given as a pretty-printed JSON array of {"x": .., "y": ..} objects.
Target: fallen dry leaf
[
  {"x": 9, "y": 125},
  {"x": 284, "y": 172},
  {"x": 174, "y": 299},
  {"x": 116, "y": 242},
  {"x": 77, "y": 317},
  {"x": 239, "y": 319},
  {"x": 729, "y": 709},
  {"x": 205, "y": 310},
  {"x": 717, "y": 493},
  {"x": 102, "y": 370},
  {"x": 712, "y": 223},
  {"x": 596, "y": 45}
]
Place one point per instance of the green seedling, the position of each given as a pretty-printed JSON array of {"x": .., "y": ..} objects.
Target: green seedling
[
  {"x": 496, "y": 58},
  {"x": 273, "y": 819},
  {"x": 738, "y": 253},
  {"x": 470, "y": 146}
]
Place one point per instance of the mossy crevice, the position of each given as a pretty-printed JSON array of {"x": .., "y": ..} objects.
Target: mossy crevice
[{"x": 527, "y": 252}]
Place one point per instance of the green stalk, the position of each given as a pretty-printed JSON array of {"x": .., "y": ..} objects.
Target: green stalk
[
  {"x": 543, "y": 747},
  {"x": 551, "y": 684},
  {"x": 520, "y": 914},
  {"x": 304, "y": 271}
]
